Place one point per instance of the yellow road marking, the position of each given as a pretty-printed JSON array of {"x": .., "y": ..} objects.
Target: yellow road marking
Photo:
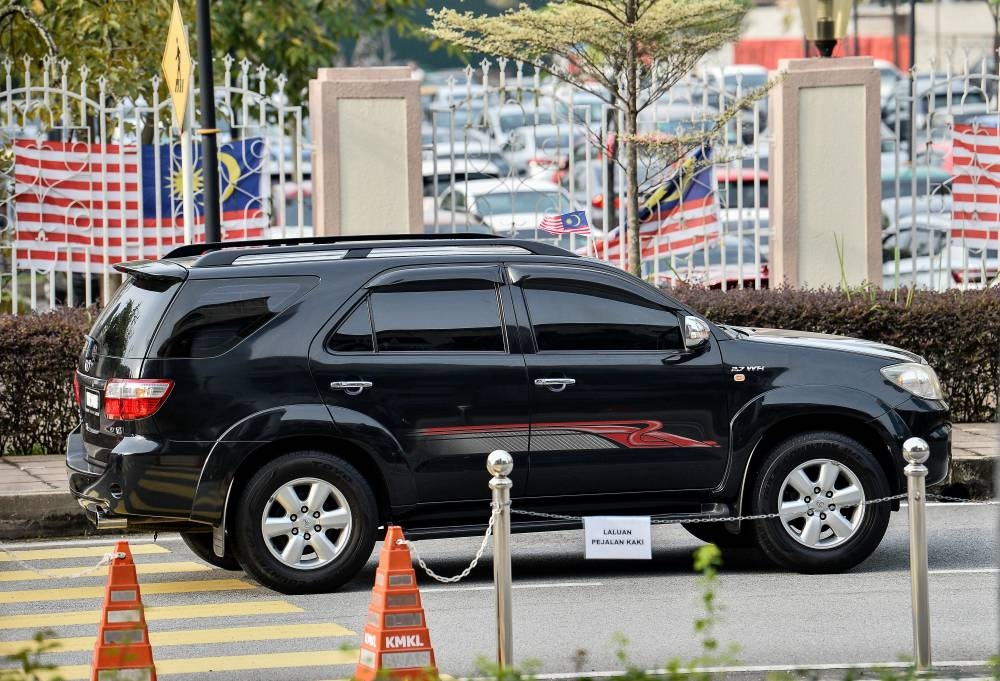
[
  {"x": 153, "y": 614},
  {"x": 200, "y": 636},
  {"x": 81, "y": 552},
  {"x": 228, "y": 663},
  {"x": 80, "y": 593},
  {"x": 146, "y": 569}
]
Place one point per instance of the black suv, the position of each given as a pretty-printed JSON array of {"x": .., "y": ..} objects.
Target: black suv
[{"x": 277, "y": 402}]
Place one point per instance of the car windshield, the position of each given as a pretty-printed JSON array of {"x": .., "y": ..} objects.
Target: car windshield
[
  {"x": 506, "y": 202},
  {"x": 520, "y": 119},
  {"x": 742, "y": 195}
]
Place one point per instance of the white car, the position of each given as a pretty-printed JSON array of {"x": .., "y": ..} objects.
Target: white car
[
  {"x": 502, "y": 120},
  {"x": 531, "y": 150},
  {"x": 507, "y": 205},
  {"x": 931, "y": 259}
]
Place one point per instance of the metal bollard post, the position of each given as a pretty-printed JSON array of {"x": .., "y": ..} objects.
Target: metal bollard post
[
  {"x": 916, "y": 451},
  {"x": 500, "y": 464}
]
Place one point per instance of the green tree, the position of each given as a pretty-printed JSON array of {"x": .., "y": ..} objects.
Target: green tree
[
  {"x": 634, "y": 50},
  {"x": 123, "y": 40}
]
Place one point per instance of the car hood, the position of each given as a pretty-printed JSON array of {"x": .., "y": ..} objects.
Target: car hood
[{"x": 826, "y": 341}]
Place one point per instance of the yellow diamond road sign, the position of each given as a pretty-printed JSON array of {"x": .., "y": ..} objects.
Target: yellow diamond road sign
[{"x": 177, "y": 65}]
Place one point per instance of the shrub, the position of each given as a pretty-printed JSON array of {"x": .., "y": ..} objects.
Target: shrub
[
  {"x": 957, "y": 332},
  {"x": 38, "y": 354}
]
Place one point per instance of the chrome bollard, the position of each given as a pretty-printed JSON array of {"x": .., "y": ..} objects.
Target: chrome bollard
[
  {"x": 916, "y": 451},
  {"x": 500, "y": 464}
]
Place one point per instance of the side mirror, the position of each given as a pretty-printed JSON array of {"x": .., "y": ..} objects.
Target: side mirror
[{"x": 695, "y": 333}]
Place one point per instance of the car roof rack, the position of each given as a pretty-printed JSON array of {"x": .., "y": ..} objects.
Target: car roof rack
[
  {"x": 349, "y": 247},
  {"x": 188, "y": 250}
]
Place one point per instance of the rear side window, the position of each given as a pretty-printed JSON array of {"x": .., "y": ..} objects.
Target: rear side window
[
  {"x": 355, "y": 333},
  {"x": 429, "y": 317},
  {"x": 128, "y": 323},
  {"x": 211, "y": 316}
]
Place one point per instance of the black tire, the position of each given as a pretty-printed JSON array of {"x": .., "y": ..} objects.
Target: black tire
[
  {"x": 716, "y": 533},
  {"x": 254, "y": 552},
  {"x": 789, "y": 552},
  {"x": 200, "y": 544}
]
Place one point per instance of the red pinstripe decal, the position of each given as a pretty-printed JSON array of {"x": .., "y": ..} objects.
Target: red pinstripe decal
[{"x": 627, "y": 434}]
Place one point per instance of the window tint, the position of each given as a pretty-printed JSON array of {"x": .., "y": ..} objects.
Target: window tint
[
  {"x": 127, "y": 324},
  {"x": 211, "y": 316},
  {"x": 425, "y": 317},
  {"x": 354, "y": 333},
  {"x": 580, "y": 315}
]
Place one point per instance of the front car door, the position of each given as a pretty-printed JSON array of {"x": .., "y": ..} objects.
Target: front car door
[
  {"x": 425, "y": 353},
  {"x": 618, "y": 404}
]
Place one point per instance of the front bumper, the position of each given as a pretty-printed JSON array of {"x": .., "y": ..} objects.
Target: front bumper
[
  {"x": 930, "y": 421},
  {"x": 140, "y": 480}
]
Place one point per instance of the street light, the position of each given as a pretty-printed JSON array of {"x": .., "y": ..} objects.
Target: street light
[{"x": 825, "y": 22}]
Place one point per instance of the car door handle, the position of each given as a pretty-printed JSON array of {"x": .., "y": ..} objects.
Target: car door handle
[
  {"x": 556, "y": 385},
  {"x": 351, "y": 387}
]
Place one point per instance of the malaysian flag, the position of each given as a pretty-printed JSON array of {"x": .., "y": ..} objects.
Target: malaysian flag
[
  {"x": 678, "y": 216},
  {"x": 574, "y": 222},
  {"x": 84, "y": 207},
  {"x": 975, "y": 211}
]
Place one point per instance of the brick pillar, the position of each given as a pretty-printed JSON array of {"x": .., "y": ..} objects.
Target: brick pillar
[
  {"x": 366, "y": 158},
  {"x": 825, "y": 172}
]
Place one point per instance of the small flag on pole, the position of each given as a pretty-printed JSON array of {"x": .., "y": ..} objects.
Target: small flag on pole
[{"x": 574, "y": 222}]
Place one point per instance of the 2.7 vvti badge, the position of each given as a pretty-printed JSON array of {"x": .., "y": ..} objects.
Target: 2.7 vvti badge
[{"x": 277, "y": 402}]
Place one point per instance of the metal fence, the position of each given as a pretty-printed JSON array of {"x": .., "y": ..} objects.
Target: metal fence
[
  {"x": 504, "y": 146},
  {"x": 90, "y": 177}
]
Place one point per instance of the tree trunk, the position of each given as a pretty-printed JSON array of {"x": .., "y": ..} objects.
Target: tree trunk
[{"x": 631, "y": 160}]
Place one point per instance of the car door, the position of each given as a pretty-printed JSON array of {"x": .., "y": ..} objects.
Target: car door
[
  {"x": 426, "y": 354},
  {"x": 618, "y": 404}
]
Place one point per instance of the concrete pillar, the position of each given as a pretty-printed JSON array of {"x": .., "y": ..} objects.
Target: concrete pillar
[
  {"x": 825, "y": 173},
  {"x": 366, "y": 158}
]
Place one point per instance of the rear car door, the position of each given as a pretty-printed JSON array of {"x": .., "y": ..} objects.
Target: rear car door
[
  {"x": 618, "y": 404},
  {"x": 427, "y": 353}
]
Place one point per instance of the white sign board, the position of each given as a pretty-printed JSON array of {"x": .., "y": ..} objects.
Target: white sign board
[{"x": 617, "y": 537}]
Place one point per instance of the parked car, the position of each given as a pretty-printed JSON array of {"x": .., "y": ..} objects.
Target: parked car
[
  {"x": 743, "y": 267},
  {"x": 929, "y": 257},
  {"x": 532, "y": 150},
  {"x": 508, "y": 204},
  {"x": 278, "y": 402}
]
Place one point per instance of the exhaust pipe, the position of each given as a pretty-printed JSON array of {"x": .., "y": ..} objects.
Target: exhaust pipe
[{"x": 111, "y": 523}]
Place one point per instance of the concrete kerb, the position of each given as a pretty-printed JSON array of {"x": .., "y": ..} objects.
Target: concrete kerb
[{"x": 34, "y": 501}]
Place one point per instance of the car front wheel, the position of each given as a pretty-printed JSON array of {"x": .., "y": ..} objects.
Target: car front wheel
[
  {"x": 305, "y": 523},
  {"x": 820, "y": 484}
]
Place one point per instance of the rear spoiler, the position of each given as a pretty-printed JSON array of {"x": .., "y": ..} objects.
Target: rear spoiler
[{"x": 158, "y": 270}]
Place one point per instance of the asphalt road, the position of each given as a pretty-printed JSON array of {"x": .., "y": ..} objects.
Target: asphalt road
[{"x": 568, "y": 612}]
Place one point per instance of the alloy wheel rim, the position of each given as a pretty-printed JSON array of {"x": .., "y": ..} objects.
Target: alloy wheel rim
[
  {"x": 821, "y": 504},
  {"x": 306, "y": 523}
]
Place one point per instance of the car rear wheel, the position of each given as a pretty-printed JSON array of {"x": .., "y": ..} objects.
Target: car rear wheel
[
  {"x": 305, "y": 523},
  {"x": 716, "y": 533},
  {"x": 200, "y": 544},
  {"x": 820, "y": 482}
]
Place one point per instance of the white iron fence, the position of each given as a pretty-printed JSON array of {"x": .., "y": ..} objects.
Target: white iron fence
[{"x": 89, "y": 178}]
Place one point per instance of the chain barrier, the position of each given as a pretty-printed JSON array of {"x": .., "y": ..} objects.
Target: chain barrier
[
  {"x": 105, "y": 560},
  {"x": 941, "y": 497},
  {"x": 719, "y": 519},
  {"x": 475, "y": 561}
]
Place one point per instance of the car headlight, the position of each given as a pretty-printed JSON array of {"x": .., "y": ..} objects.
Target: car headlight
[{"x": 918, "y": 379}]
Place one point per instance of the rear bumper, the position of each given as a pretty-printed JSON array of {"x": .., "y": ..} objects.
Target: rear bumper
[{"x": 141, "y": 480}]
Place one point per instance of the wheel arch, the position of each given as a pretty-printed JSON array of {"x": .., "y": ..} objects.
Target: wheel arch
[{"x": 865, "y": 432}]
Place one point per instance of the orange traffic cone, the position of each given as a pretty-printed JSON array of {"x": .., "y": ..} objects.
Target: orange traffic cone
[
  {"x": 395, "y": 643},
  {"x": 122, "y": 650}
]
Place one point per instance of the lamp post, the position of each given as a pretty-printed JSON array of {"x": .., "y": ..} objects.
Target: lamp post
[{"x": 825, "y": 22}]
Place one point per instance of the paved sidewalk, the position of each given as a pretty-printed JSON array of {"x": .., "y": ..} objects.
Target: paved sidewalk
[{"x": 34, "y": 500}]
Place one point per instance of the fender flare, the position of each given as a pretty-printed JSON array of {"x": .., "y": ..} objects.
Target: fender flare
[
  {"x": 757, "y": 418},
  {"x": 246, "y": 437}
]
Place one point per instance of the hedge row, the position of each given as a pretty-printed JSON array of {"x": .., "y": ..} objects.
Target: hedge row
[
  {"x": 38, "y": 354},
  {"x": 958, "y": 332}
]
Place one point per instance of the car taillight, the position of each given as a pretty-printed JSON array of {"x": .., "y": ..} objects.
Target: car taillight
[
  {"x": 76, "y": 388},
  {"x": 127, "y": 399}
]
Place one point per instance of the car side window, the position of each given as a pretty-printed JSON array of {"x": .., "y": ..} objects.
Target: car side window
[
  {"x": 354, "y": 333},
  {"x": 442, "y": 316},
  {"x": 569, "y": 315}
]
